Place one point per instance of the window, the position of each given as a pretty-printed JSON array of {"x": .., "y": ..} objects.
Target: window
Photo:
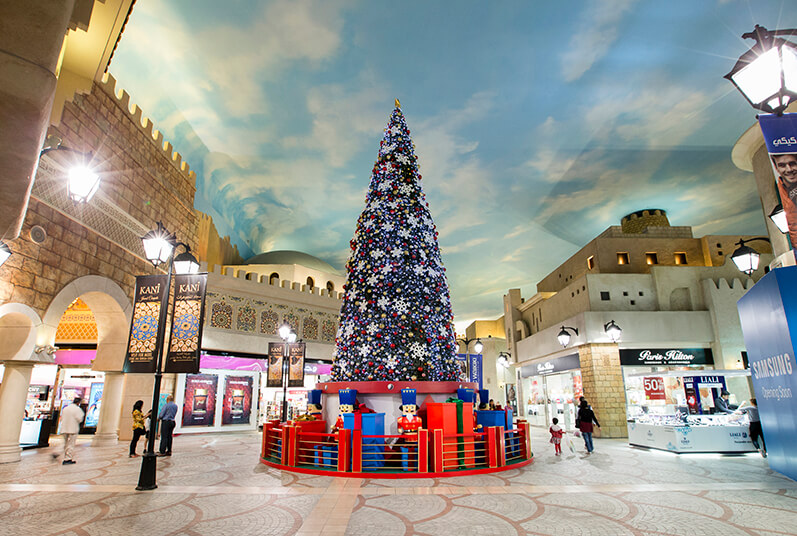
[
  {"x": 719, "y": 253},
  {"x": 680, "y": 258},
  {"x": 590, "y": 262},
  {"x": 310, "y": 282},
  {"x": 572, "y": 294},
  {"x": 641, "y": 293},
  {"x": 605, "y": 296},
  {"x": 583, "y": 287},
  {"x": 273, "y": 278},
  {"x": 625, "y": 293},
  {"x": 633, "y": 302},
  {"x": 622, "y": 258},
  {"x": 719, "y": 245},
  {"x": 651, "y": 258},
  {"x": 330, "y": 286}
]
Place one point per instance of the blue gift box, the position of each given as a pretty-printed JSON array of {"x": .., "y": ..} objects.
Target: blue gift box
[
  {"x": 495, "y": 418},
  {"x": 325, "y": 455},
  {"x": 371, "y": 423}
]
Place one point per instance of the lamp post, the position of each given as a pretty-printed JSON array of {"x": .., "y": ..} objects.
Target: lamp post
[
  {"x": 159, "y": 246},
  {"x": 477, "y": 347},
  {"x": 766, "y": 75},
  {"x": 288, "y": 336},
  {"x": 564, "y": 336},
  {"x": 612, "y": 330},
  {"x": 778, "y": 217},
  {"x": 83, "y": 182},
  {"x": 746, "y": 258}
]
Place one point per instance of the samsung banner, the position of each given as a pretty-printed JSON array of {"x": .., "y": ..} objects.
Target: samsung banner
[
  {"x": 143, "y": 342},
  {"x": 187, "y": 319},
  {"x": 769, "y": 322},
  {"x": 780, "y": 135}
]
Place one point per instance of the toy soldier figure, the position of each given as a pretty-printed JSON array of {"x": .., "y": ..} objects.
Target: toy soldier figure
[
  {"x": 314, "y": 405},
  {"x": 409, "y": 422},
  {"x": 346, "y": 398}
]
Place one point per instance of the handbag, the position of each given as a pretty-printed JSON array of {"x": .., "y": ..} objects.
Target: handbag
[{"x": 578, "y": 422}]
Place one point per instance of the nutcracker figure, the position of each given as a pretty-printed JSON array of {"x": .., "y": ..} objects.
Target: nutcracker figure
[
  {"x": 409, "y": 422},
  {"x": 314, "y": 405},
  {"x": 347, "y": 398}
]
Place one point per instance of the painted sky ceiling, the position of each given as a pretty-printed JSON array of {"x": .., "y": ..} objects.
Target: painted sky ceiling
[{"x": 536, "y": 125}]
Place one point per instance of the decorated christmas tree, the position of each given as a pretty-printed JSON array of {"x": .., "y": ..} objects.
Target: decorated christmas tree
[{"x": 396, "y": 320}]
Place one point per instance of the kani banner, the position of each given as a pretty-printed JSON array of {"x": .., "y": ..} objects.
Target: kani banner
[
  {"x": 769, "y": 322},
  {"x": 188, "y": 312},
  {"x": 780, "y": 135},
  {"x": 143, "y": 343},
  {"x": 666, "y": 356},
  {"x": 296, "y": 364},
  {"x": 276, "y": 358}
]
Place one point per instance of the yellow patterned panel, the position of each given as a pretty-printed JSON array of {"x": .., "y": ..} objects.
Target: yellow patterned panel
[{"x": 77, "y": 324}]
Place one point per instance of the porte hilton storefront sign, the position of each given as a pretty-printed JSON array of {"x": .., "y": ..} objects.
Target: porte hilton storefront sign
[
  {"x": 552, "y": 366},
  {"x": 667, "y": 356}
]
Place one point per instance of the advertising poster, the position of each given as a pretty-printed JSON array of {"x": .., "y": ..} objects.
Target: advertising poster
[
  {"x": 463, "y": 367},
  {"x": 296, "y": 364},
  {"x": 276, "y": 357},
  {"x": 654, "y": 388},
  {"x": 475, "y": 368},
  {"x": 692, "y": 395},
  {"x": 94, "y": 401},
  {"x": 199, "y": 405},
  {"x": 780, "y": 135},
  {"x": 237, "y": 404},
  {"x": 142, "y": 345},
  {"x": 187, "y": 319}
]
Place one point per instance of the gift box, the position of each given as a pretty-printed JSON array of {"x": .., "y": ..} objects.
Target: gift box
[
  {"x": 325, "y": 456},
  {"x": 495, "y": 418},
  {"x": 319, "y": 427},
  {"x": 453, "y": 418},
  {"x": 370, "y": 424}
]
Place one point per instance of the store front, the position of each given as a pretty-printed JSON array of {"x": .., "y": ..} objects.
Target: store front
[
  {"x": 230, "y": 394},
  {"x": 549, "y": 390}
]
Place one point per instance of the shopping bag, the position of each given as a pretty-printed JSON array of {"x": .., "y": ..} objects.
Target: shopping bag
[{"x": 577, "y": 433}]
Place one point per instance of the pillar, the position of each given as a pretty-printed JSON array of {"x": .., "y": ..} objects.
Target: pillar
[
  {"x": 13, "y": 394},
  {"x": 110, "y": 410},
  {"x": 602, "y": 377},
  {"x": 30, "y": 44}
]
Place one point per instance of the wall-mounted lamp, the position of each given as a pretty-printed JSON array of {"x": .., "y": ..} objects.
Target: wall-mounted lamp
[
  {"x": 612, "y": 330},
  {"x": 45, "y": 349},
  {"x": 564, "y": 336},
  {"x": 778, "y": 217},
  {"x": 83, "y": 182},
  {"x": 504, "y": 359},
  {"x": 746, "y": 258},
  {"x": 5, "y": 253}
]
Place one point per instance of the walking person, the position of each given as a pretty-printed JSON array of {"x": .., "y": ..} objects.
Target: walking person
[
  {"x": 167, "y": 415},
  {"x": 139, "y": 426},
  {"x": 556, "y": 436},
  {"x": 71, "y": 419},
  {"x": 756, "y": 432},
  {"x": 586, "y": 419}
]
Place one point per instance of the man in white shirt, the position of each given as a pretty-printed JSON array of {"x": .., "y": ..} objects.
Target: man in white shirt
[{"x": 71, "y": 419}]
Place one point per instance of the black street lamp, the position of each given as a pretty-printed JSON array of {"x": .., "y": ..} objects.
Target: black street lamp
[
  {"x": 83, "y": 182},
  {"x": 478, "y": 347},
  {"x": 564, "y": 336},
  {"x": 612, "y": 330},
  {"x": 288, "y": 336},
  {"x": 159, "y": 246},
  {"x": 778, "y": 217},
  {"x": 746, "y": 258},
  {"x": 767, "y": 73}
]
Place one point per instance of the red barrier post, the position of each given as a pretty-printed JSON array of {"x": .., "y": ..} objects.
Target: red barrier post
[
  {"x": 265, "y": 439},
  {"x": 423, "y": 451},
  {"x": 437, "y": 450},
  {"x": 344, "y": 450},
  {"x": 492, "y": 447},
  {"x": 293, "y": 445},
  {"x": 357, "y": 451},
  {"x": 501, "y": 443},
  {"x": 285, "y": 438},
  {"x": 526, "y": 440}
]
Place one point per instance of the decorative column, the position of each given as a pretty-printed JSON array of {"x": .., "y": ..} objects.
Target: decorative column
[
  {"x": 13, "y": 394},
  {"x": 602, "y": 377},
  {"x": 110, "y": 410}
]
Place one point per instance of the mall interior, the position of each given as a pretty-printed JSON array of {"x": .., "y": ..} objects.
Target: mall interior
[{"x": 642, "y": 321}]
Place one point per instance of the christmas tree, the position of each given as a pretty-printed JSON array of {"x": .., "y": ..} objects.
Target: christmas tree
[{"x": 396, "y": 320}]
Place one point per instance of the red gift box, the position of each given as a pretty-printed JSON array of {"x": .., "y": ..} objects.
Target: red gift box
[{"x": 457, "y": 449}]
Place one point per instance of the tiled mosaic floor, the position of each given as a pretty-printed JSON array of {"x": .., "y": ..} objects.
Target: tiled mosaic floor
[{"x": 214, "y": 485}]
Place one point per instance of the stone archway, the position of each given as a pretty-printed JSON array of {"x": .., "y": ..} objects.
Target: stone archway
[
  {"x": 112, "y": 312},
  {"x": 19, "y": 327}
]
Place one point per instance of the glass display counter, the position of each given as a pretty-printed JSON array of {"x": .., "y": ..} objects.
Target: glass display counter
[{"x": 680, "y": 433}]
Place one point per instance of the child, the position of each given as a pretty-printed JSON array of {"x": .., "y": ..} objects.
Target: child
[{"x": 556, "y": 436}]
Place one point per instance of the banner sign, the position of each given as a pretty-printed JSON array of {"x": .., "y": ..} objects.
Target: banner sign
[
  {"x": 237, "y": 405},
  {"x": 552, "y": 366},
  {"x": 780, "y": 135},
  {"x": 666, "y": 356},
  {"x": 143, "y": 342},
  {"x": 768, "y": 312},
  {"x": 276, "y": 357},
  {"x": 199, "y": 404},
  {"x": 475, "y": 367},
  {"x": 654, "y": 388},
  {"x": 296, "y": 364},
  {"x": 188, "y": 312}
]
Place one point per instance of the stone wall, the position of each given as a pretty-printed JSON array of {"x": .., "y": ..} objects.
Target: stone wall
[{"x": 602, "y": 377}]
